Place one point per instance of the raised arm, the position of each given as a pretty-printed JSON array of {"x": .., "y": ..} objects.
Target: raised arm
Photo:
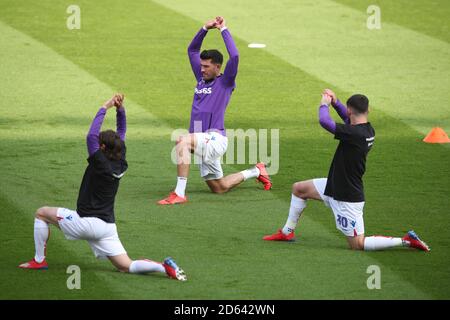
[
  {"x": 92, "y": 138},
  {"x": 338, "y": 106},
  {"x": 194, "y": 53},
  {"x": 94, "y": 131},
  {"x": 341, "y": 110},
  {"x": 194, "y": 48},
  {"x": 231, "y": 68},
  {"x": 325, "y": 119},
  {"x": 121, "y": 120}
]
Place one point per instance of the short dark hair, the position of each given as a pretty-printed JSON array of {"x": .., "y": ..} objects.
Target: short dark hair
[
  {"x": 359, "y": 103},
  {"x": 113, "y": 144},
  {"x": 213, "y": 54}
]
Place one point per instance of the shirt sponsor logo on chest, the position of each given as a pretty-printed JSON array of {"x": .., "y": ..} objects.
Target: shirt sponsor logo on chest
[{"x": 203, "y": 91}]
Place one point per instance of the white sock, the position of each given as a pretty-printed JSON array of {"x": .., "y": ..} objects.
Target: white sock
[
  {"x": 250, "y": 173},
  {"x": 41, "y": 234},
  {"x": 297, "y": 206},
  {"x": 380, "y": 243},
  {"x": 146, "y": 266},
  {"x": 180, "y": 190}
]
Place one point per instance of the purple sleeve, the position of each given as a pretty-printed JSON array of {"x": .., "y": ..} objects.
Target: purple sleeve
[
  {"x": 341, "y": 110},
  {"x": 121, "y": 123},
  {"x": 194, "y": 53},
  {"x": 231, "y": 68},
  {"x": 92, "y": 136},
  {"x": 325, "y": 120}
]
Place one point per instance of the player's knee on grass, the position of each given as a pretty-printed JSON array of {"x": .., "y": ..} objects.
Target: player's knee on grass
[
  {"x": 217, "y": 186},
  {"x": 356, "y": 243},
  {"x": 121, "y": 262},
  {"x": 220, "y": 191}
]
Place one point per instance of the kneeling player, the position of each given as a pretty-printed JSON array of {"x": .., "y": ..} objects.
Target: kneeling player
[
  {"x": 343, "y": 190},
  {"x": 207, "y": 138},
  {"x": 94, "y": 219}
]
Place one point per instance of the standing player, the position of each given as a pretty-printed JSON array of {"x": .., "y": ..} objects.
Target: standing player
[
  {"x": 207, "y": 138},
  {"x": 343, "y": 190},
  {"x": 94, "y": 219}
]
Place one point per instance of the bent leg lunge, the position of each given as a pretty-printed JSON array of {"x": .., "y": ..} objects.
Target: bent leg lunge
[
  {"x": 43, "y": 217},
  {"x": 301, "y": 191},
  {"x": 185, "y": 145}
]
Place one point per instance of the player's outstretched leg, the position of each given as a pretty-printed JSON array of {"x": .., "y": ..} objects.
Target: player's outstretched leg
[
  {"x": 378, "y": 242},
  {"x": 124, "y": 264},
  {"x": 227, "y": 183},
  {"x": 301, "y": 191},
  {"x": 44, "y": 217}
]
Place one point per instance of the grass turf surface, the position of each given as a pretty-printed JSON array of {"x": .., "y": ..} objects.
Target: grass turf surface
[{"x": 53, "y": 81}]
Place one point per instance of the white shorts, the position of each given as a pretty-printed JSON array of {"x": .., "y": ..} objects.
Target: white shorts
[
  {"x": 211, "y": 146},
  {"x": 348, "y": 215},
  {"x": 102, "y": 236}
]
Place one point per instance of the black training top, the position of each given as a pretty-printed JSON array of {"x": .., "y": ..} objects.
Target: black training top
[
  {"x": 349, "y": 162},
  {"x": 99, "y": 186}
]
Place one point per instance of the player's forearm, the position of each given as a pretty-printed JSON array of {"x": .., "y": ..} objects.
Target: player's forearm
[
  {"x": 231, "y": 68},
  {"x": 341, "y": 110},
  {"x": 325, "y": 119},
  {"x": 94, "y": 131},
  {"x": 196, "y": 43},
  {"x": 229, "y": 43},
  {"x": 121, "y": 123}
]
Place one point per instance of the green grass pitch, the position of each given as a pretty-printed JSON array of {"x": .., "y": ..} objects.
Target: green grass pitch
[{"x": 52, "y": 80}]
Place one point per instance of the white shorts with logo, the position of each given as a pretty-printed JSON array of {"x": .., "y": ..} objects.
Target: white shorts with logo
[
  {"x": 102, "y": 236},
  {"x": 211, "y": 146},
  {"x": 348, "y": 215}
]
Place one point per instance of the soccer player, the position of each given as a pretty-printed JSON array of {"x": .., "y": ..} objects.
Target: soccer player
[
  {"x": 207, "y": 137},
  {"x": 343, "y": 190},
  {"x": 94, "y": 218}
]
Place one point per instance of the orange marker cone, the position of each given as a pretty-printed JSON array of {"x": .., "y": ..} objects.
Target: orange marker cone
[{"x": 437, "y": 135}]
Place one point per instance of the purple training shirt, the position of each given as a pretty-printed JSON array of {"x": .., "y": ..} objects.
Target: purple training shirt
[
  {"x": 325, "y": 119},
  {"x": 94, "y": 131},
  {"x": 211, "y": 99}
]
